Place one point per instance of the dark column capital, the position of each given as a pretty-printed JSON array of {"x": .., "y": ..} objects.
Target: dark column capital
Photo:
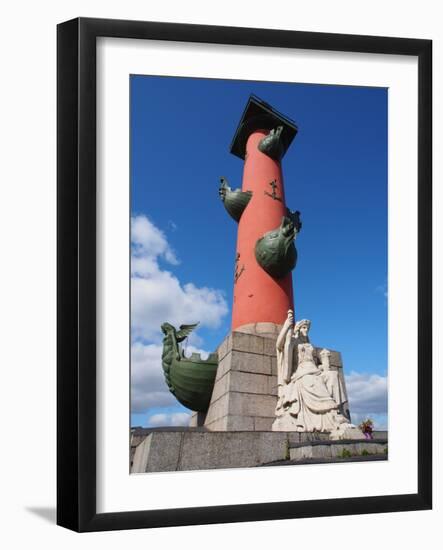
[{"x": 259, "y": 115}]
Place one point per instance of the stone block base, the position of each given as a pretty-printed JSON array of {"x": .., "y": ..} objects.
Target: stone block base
[
  {"x": 245, "y": 389},
  {"x": 177, "y": 451},
  {"x": 166, "y": 451}
]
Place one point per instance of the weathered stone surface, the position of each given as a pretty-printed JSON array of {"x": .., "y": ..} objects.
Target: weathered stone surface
[
  {"x": 248, "y": 404},
  {"x": 333, "y": 450},
  {"x": 239, "y": 423},
  {"x": 337, "y": 450},
  {"x": 272, "y": 386},
  {"x": 379, "y": 434},
  {"x": 247, "y": 329},
  {"x": 219, "y": 425},
  {"x": 208, "y": 450},
  {"x": 314, "y": 436},
  {"x": 221, "y": 386},
  {"x": 263, "y": 424},
  {"x": 230, "y": 450},
  {"x": 266, "y": 329},
  {"x": 194, "y": 450},
  {"x": 242, "y": 372},
  {"x": 159, "y": 452},
  {"x": 217, "y": 409},
  {"x": 224, "y": 347},
  {"x": 321, "y": 451},
  {"x": 247, "y": 342},
  {"x": 273, "y": 366},
  {"x": 269, "y": 346},
  {"x": 224, "y": 366},
  {"x": 293, "y": 437},
  {"x": 232, "y": 423},
  {"x": 250, "y": 362},
  {"x": 353, "y": 433},
  {"x": 248, "y": 382}
]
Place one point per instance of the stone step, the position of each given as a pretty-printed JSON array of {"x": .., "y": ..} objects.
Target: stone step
[
  {"x": 337, "y": 449},
  {"x": 364, "y": 458}
]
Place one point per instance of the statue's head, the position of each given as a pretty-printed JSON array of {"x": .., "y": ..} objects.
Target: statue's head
[
  {"x": 167, "y": 328},
  {"x": 302, "y": 328}
]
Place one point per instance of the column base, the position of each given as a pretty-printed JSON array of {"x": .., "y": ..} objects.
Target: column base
[{"x": 245, "y": 389}]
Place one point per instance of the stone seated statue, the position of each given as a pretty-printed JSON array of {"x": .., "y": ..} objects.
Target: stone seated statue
[{"x": 309, "y": 397}]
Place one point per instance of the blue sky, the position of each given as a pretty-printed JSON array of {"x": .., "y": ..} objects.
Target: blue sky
[{"x": 183, "y": 241}]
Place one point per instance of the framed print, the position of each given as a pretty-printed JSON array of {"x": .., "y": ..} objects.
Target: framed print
[{"x": 244, "y": 274}]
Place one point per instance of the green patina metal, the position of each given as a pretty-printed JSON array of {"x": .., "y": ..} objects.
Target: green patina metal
[
  {"x": 259, "y": 115},
  {"x": 272, "y": 144},
  {"x": 189, "y": 379},
  {"x": 275, "y": 251},
  {"x": 235, "y": 201}
]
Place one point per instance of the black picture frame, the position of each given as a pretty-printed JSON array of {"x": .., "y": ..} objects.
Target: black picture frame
[{"x": 76, "y": 265}]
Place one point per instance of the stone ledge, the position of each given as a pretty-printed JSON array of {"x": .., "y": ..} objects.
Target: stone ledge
[
  {"x": 267, "y": 330},
  {"x": 331, "y": 443},
  {"x": 337, "y": 449},
  {"x": 183, "y": 451},
  {"x": 335, "y": 460},
  {"x": 198, "y": 450}
]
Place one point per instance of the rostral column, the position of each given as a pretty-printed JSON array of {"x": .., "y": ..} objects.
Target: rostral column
[{"x": 265, "y": 254}]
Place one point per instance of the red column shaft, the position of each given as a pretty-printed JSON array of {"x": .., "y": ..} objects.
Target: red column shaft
[{"x": 257, "y": 296}]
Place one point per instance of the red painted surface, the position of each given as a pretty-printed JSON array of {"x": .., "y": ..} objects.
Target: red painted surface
[{"x": 257, "y": 296}]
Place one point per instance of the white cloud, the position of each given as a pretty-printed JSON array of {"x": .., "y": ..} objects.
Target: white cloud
[
  {"x": 149, "y": 241},
  {"x": 368, "y": 396},
  {"x": 148, "y": 386},
  {"x": 161, "y": 298},
  {"x": 169, "y": 419},
  {"x": 158, "y": 296},
  {"x": 189, "y": 350}
]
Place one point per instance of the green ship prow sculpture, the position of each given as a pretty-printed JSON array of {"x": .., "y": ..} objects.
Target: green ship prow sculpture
[
  {"x": 235, "y": 201},
  {"x": 275, "y": 252},
  {"x": 189, "y": 379}
]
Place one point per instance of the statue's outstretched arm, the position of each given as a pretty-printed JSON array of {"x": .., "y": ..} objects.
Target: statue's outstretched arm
[{"x": 288, "y": 324}]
